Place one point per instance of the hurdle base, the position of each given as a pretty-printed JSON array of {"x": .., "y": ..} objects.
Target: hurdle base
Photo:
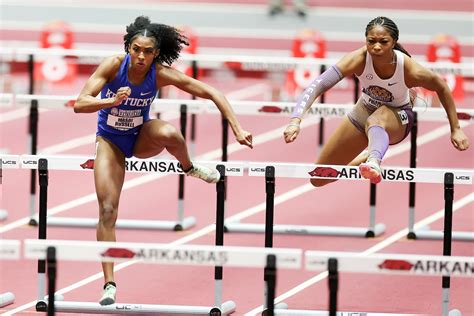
[
  {"x": 307, "y": 230},
  {"x": 3, "y": 215},
  {"x": 6, "y": 299},
  {"x": 426, "y": 233},
  {"x": 33, "y": 222},
  {"x": 138, "y": 309},
  {"x": 76, "y": 222},
  {"x": 277, "y": 306}
]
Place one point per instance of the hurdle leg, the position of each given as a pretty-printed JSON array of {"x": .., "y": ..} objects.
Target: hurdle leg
[
  {"x": 412, "y": 185},
  {"x": 43, "y": 198},
  {"x": 33, "y": 146},
  {"x": 218, "y": 271},
  {"x": 448, "y": 229}
]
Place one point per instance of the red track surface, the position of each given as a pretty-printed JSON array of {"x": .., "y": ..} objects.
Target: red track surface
[{"x": 342, "y": 204}]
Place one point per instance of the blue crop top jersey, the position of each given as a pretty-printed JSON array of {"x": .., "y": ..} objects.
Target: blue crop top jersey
[{"x": 129, "y": 116}]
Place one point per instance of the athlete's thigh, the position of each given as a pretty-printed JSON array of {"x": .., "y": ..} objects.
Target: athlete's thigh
[
  {"x": 149, "y": 142},
  {"x": 109, "y": 171},
  {"x": 389, "y": 118},
  {"x": 343, "y": 146}
]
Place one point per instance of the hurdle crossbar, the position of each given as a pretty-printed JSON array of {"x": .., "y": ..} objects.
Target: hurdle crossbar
[
  {"x": 386, "y": 263},
  {"x": 197, "y": 255},
  {"x": 390, "y": 174}
]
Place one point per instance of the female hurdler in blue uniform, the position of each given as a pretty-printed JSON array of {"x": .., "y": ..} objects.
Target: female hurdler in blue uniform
[
  {"x": 128, "y": 84},
  {"x": 383, "y": 115}
]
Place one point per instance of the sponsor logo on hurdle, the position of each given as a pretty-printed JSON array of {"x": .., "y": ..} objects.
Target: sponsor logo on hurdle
[
  {"x": 29, "y": 162},
  {"x": 88, "y": 164},
  {"x": 70, "y": 103},
  {"x": 9, "y": 162},
  {"x": 233, "y": 169},
  {"x": 353, "y": 173},
  {"x": 153, "y": 166},
  {"x": 270, "y": 109},
  {"x": 430, "y": 267},
  {"x": 169, "y": 255},
  {"x": 396, "y": 265},
  {"x": 326, "y": 172},
  {"x": 318, "y": 111},
  {"x": 463, "y": 177},
  {"x": 464, "y": 116}
]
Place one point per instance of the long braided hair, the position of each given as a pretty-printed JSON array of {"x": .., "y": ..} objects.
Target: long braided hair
[
  {"x": 390, "y": 27},
  {"x": 167, "y": 38}
]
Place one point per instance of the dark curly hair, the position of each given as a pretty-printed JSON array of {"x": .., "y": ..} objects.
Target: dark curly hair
[
  {"x": 390, "y": 27},
  {"x": 167, "y": 38}
]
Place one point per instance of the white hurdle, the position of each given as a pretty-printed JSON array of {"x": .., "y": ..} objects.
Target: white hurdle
[
  {"x": 386, "y": 263},
  {"x": 248, "y": 257},
  {"x": 309, "y": 171},
  {"x": 83, "y": 163},
  {"x": 9, "y": 250}
]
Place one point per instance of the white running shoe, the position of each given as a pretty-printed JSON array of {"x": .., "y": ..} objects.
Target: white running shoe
[
  {"x": 108, "y": 297},
  {"x": 371, "y": 170},
  {"x": 204, "y": 173}
]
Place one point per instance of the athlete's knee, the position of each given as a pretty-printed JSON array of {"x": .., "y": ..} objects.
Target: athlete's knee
[
  {"x": 108, "y": 214},
  {"x": 169, "y": 133},
  {"x": 374, "y": 121}
]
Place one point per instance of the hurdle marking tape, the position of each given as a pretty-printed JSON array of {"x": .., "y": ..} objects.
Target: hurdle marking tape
[
  {"x": 425, "y": 265},
  {"x": 9, "y": 249},
  {"x": 251, "y": 257},
  {"x": 395, "y": 174},
  {"x": 240, "y": 107}
]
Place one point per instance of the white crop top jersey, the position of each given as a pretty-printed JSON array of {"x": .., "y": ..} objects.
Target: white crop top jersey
[{"x": 392, "y": 91}]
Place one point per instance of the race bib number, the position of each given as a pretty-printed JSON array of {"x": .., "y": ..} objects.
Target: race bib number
[
  {"x": 403, "y": 117},
  {"x": 124, "y": 123}
]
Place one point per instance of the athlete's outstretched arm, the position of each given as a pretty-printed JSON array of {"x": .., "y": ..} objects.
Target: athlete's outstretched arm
[
  {"x": 349, "y": 64},
  {"x": 170, "y": 76},
  {"x": 418, "y": 76},
  {"x": 87, "y": 102}
]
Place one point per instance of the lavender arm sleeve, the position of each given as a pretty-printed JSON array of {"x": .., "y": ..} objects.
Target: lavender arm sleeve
[{"x": 321, "y": 84}]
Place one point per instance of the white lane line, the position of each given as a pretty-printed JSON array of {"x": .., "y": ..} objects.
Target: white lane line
[
  {"x": 68, "y": 145},
  {"x": 260, "y": 139},
  {"x": 379, "y": 246}
]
